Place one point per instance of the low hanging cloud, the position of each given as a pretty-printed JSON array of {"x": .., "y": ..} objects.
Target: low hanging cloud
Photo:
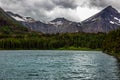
[
  {"x": 104, "y": 3},
  {"x": 65, "y": 4},
  {"x": 50, "y": 9}
]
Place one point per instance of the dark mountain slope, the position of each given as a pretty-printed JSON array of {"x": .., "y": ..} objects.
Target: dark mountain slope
[
  {"x": 63, "y": 25},
  {"x": 59, "y": 25},
  {"x": 8, "y": 25},
  {"x": 105, "y": 21}
]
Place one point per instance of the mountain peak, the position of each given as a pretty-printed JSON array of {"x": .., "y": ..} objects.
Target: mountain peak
[
  {"x": 109, "y": 6},
  {"x": 106, "y": 20},
  {"x": 110, "y": 9},
  {"x": 59, "y": 19}
]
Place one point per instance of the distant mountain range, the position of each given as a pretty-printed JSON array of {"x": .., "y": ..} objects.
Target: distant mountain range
[
  {"x": 59, "y": 25},
  {"x": 106, "y": 20}
]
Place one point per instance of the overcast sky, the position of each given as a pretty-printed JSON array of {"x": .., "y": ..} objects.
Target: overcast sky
[{"x": 74, "y": 10}]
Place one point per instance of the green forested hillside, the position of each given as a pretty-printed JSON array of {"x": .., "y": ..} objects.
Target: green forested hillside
[
  {"x": 10, "y": 26},
  {"x": 112, "y": 42},
  {"x": 54, "y": 41}
]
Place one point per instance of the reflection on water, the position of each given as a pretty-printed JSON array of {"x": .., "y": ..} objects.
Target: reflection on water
[{"x": 58, "y": 65}]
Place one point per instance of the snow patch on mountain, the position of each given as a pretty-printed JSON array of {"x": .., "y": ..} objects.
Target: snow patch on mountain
[
  {"x": 117, "y": 19},
  {"x": 29, "y": 19},
  {"x": 94, "y": 19},
  {"x": 17, "y": 18},
  {"x": 112, "y": 22},
  {"x": 58, "y": 23},
  {"x": 20, "y": 18}
]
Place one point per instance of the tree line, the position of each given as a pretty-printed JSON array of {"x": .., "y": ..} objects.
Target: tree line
[
  {"x": 52, "y": 41},
  {"x": 111, "y": 43}
]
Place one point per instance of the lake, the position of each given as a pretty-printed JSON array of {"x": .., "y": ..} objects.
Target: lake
[{"x": 57, "y": 65}]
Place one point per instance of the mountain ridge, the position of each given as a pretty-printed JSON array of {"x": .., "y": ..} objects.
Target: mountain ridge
[
  {"x": 58, "y": 25},
  {"x": 106, "y": 20}
]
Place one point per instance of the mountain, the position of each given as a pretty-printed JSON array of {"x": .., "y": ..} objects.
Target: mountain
[
  {"x": 30, "y": 22},
  {"x": 63, "y": 25},
  {"x": 104, "y": 21},
  {"x": 10, "y": 26},
  {"x": 60, "y": 19},
  {"x": 40, "y": 27},
  {"x": 58, "y": 25}
]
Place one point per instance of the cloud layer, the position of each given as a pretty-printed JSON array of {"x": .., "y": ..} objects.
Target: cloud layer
[{"x": 75, "y": 10}]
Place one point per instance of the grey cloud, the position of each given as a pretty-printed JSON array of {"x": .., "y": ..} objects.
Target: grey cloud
[
  {"x": 98, "y": 3},
  {"x": 103, "y": 3},
  {"x": 66, "y": 3},
  {"x": 47, "y": 9},
  {"x": 39, "y": 9},
  {"x": 34, "y": 8},
  {"x": 47, "y": 5}
]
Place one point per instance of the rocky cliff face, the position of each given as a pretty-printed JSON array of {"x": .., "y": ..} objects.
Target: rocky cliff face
[
  {"x": 105, "y": 21},
  {"x": 63, "y": 25}
]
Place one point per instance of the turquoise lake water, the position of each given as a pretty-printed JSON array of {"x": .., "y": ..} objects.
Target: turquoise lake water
[{"x": 58, "y": 65}]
